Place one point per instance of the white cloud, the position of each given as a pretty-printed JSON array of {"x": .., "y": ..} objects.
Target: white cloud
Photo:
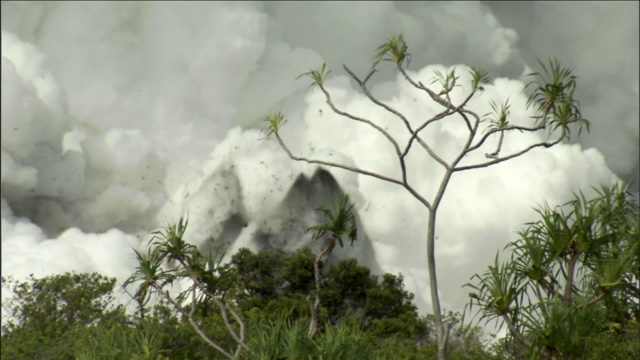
[{"x": 120, "y": 117}]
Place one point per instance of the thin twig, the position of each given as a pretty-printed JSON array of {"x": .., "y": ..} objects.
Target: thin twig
[
  {"x": 355, "y": 170},
  {"x": 223, "y": 309},
  {"x": 496, "y": 161},
  {"x": 193, "y": 323},
  {"x": 514, "y": 331}
]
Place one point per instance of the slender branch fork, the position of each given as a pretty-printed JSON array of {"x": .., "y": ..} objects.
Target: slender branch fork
[
  {"x": 192, "y": 321},
  {"x": 238, "y": 337},
  {"x": 315, "y": 303}
]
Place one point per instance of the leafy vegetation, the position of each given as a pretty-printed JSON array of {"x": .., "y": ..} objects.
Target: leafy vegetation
[
  {"x": 571, "y": 281},
  {"x": 361, "y": 316},
  {"x": 45, "y": 316}
]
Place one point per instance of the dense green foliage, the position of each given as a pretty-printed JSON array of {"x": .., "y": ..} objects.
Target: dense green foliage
[
  {"x": 363, "y": 316},
  {"x": 570, "y": 287},
  {"x": 274, "y": 282},
  {"x": 46, "y": 315}
]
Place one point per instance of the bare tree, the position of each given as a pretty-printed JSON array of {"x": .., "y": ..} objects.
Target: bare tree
[{"x": 552, "y": 98}]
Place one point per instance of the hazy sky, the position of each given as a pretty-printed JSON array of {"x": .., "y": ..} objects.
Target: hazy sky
[{"x": 120, "y": 116}]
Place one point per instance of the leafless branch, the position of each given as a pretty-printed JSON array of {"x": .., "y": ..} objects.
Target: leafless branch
[
  {"x": 508, "y": 128},
  {"x": 192, "y": 321},
  {"x": 450, "y": 108},
  {"x": 360, "y": 119},
  {"x": 515, "y": 332},
  {"x": 601, "y": 296},
  {"x": 547, "y": 287},
  {"x": 571, "y": 266},
  {"x": 313, "y": 306},
  {"x": 365, "y": 90},
  {"x": 240, "y": 339},
  {"x": 332, "y": 164},
  {"x": 514, "y": 155},
  {"x": 497, "y": 152},
  {"x": 414, "y": 134},
  {"x": 355, "y": 170}
]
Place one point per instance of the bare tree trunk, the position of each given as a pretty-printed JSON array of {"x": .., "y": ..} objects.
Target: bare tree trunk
[
  {"x": 328, "y": 248},
  {"x": 442, "y": 329},
  {"x": 313, "y": 325}
]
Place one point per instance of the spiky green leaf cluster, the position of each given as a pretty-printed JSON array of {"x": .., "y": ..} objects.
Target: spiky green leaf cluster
[
  {"x": 318, "y": 76},
  {"x": 447, "y": 82},
  {"x": 498, "y": 115},
  {"x": 572, "y": 275},
  {"x": 394, "y": 50},
  {"x": 149, "y": 273},
  {"x": 478, "y": 77},
  {"x": 275, "y": 123},
  {"x": 340, "y": 221},
  {"x": 169, "y": 242},
  {"x": 553, "y": 99},
  {"x": 498, "y": 291}
]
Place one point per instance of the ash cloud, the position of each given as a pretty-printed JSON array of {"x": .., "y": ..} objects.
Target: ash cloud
[{"x": 118, "y": 117}]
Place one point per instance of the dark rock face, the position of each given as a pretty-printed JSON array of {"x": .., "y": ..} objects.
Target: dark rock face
[{"x": 285, "y": 227}]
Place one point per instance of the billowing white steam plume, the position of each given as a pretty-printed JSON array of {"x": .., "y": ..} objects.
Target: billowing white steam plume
[{"x": 118, "y": 117}]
